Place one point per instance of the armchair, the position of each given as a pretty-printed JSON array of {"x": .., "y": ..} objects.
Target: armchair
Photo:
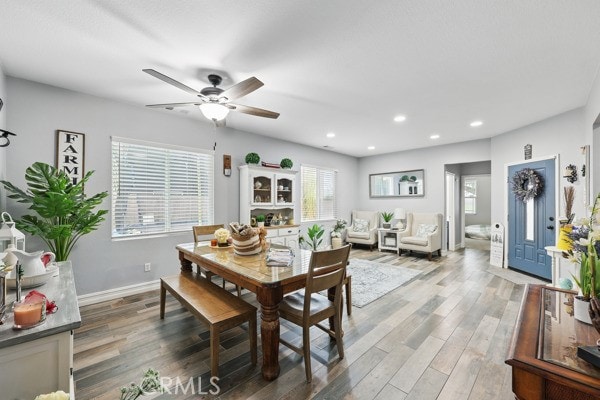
[
  {"x": 363, "y": 229},
  {"x": 423, "y": 233}
]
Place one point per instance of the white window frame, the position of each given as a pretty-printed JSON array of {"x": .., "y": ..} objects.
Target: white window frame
[
  {"x": 173, "y": 156},
  {"x": 320, "y": 195},
  {"x": 472, "y": 197}
]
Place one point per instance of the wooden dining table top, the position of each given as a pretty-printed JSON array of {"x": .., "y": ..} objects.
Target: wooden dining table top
[{"x": 251, "y": 268}]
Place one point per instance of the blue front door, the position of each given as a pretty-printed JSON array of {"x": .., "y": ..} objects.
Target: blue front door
[{"x": 531, "y": 224}]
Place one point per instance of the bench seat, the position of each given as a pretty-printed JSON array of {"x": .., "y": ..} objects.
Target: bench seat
[{"x": 212, "y": 305}]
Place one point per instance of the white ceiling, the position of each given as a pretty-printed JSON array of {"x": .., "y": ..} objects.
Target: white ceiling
[{"x": 343, "y": 66}]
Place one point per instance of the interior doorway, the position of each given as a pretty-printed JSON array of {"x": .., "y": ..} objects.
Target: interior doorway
[{"x": 477, "y": 211}]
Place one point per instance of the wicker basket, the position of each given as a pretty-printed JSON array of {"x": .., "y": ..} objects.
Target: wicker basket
[{"x": 246, "y": 245}]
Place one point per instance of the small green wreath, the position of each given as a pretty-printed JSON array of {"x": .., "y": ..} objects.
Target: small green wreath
[{"x": 527, "y": 184}]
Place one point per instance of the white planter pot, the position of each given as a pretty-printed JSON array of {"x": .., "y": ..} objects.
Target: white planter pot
[
  {"x": 336, "y": 243},
  {"x": 580, "y": 310}
]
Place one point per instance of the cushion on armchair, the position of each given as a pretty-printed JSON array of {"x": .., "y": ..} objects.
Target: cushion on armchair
[
  {"x": 360, "y": 225},
  {"x": 424, "y": 230},
  {"x": 419, "y": 241}
]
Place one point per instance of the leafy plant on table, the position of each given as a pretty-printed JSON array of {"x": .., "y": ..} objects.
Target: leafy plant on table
[
  {"x": 64, "y": 212},
  {"x": 387, "y": 216},
  {"x": 315, "y": 237}
]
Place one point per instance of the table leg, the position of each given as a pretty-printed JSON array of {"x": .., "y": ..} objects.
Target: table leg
[
  {"x": 186, "y": 265},
  {"x": 269, "y": 299}
]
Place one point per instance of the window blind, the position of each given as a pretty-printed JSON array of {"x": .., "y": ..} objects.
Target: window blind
[
  {"x": 319, "y": 200},
  {"x": 159, "y": 188},
  {"x": 470, "y": 196}
]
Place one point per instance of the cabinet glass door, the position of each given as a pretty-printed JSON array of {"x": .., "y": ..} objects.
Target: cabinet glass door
[
  {"x": 284, "y": 190},
  {"x": 262, "y": 189}
]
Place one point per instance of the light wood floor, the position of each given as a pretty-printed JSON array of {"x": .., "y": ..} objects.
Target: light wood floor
[{"x": 442, "y": 336}]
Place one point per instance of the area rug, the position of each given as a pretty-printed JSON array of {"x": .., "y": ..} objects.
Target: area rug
[{"x": 371, "y": 280}]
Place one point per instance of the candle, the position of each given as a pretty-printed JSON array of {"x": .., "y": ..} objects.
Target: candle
[{"x": 28, "y": 313}]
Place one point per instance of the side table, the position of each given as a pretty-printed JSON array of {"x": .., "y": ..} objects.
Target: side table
[{"x": 388, "y": 239}]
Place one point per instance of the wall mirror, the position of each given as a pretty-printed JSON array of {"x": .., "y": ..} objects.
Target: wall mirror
[{"x": 397, "y": 184}]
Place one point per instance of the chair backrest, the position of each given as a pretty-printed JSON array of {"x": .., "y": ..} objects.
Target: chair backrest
[
  {"x": 204, "y": 230},
  {"x": 413, "y": 220},
  {"x": 371, "y": 216},
  {"x": 327, "y": 269}
]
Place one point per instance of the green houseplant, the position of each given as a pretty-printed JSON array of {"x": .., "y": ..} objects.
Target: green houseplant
[
  {"x": 315, "y": 237},
  {"x": 585, "y": 240},
  {"x": 260, "y": 220},
  {"x": 252, "y": 158},
  {"x": 387, "y": 217},
  {"x": 286, "y": 163},
  {"x": 64, "y": 212}
]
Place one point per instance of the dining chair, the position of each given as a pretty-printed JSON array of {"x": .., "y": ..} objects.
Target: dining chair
[
  {"x": 207, "y": 232},
  {"x": 327, "y": 269}
]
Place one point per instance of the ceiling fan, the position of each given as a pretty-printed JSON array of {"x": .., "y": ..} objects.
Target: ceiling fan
[{"x": 215, "y": 103}]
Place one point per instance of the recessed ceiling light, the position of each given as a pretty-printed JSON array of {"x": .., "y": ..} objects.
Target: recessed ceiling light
[
  {"x": 371, "y": 147},
  {"x": 476, "y": 123},
  {"x": 399, "y": 118},
  {"x": 434, "y": 136},
  {"x": 330, "y": 135}
]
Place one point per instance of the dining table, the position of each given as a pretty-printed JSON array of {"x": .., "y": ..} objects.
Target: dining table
[{"x": 252, "y": 273}]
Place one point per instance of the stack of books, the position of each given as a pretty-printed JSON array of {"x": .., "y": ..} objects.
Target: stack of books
[{"x": 280, "y": 257}]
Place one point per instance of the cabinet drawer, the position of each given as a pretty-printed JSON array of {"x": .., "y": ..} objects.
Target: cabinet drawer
[
  {"x": 272, "y": 233},
  {"x": 289, "y": 231}
]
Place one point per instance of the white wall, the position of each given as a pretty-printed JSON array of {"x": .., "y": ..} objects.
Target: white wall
[
  {"x": 432, "y": 160},
  {"x": 37, "y": 110},
  {"x": 559, "y": 135},
  {"x": 3, "y": 150},
  {"x": 592, "y": 137}
]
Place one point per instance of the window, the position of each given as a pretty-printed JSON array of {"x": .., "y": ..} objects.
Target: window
[
  {"x": 159, "y": 188},
  {"x": 470, "y": 196},
  {"x": 318, "y": 193}
]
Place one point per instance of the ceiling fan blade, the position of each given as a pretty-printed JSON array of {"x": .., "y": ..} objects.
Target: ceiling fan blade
[
  {"x": 259, "y": 112},
  {"x": 173, "y": 82},
  {"x": 171, "y": 105},
  {"x": 241, "y": 89}
]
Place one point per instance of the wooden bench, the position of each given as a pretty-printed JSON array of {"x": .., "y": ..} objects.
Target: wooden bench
[{"x": 213, "y": 305}]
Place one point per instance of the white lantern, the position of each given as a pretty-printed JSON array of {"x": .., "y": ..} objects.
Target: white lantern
[{"x": 9, "y": 234}]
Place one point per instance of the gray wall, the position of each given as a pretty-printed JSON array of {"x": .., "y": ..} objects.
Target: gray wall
[
  {"x": 560, "y": 135},
  {"x": 432, "y": 160},
  {"x": 37, "y": 110},
  {"x": 3, "y": 150}
]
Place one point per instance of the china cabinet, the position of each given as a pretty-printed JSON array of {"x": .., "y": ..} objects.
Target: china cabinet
[{"x": 273, "y": 193}]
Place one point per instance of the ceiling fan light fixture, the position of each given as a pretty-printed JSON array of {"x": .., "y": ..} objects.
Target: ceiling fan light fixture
[{"x": 214, "y": 111}]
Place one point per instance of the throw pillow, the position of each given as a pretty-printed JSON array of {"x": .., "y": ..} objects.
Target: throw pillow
[
  {"x": 360, "y": 225},
  {"x": 424, "y": 230}
]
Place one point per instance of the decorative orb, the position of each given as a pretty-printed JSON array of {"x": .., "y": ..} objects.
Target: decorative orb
[{"x": 565, "y": 283}]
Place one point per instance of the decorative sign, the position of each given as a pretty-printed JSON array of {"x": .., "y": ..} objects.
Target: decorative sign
[
  {"x": 70, "y": 154},
  {"x": 497, "y": 245},
  {"x": 226, "y": 165},
  {"x": 528, "y": 151}
]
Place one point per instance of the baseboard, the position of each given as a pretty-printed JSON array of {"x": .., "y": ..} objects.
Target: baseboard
[{"x": 111, "y": 294}]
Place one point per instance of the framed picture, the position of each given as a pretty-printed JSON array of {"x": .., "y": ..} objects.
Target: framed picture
[{"x": 70, "y": 154}]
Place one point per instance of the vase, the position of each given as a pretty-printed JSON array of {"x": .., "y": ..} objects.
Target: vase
[
  {"x": 336, "y": 243},
  {"x": 580, "y": 310}
]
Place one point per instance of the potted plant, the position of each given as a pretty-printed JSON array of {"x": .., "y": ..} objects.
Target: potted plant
[
  {"x": 252, "y": 158},
  {"x": 64, "y": 212},
  {"x": 260, "y": 220},
  {"x": 336, "y": 233},
  {"x": 286, "y": 163},
  {"x": 315, "y": 237},
  {"x": 387, "y": 217},
  {"x": 585, "y": 239}
]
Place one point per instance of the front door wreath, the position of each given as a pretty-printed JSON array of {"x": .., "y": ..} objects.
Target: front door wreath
[{"x": 527, "y": 184}]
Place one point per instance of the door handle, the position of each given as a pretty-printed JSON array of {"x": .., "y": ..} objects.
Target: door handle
[{"x": 551, "y": 227}]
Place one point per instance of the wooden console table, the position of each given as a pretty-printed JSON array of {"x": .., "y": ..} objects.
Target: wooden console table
[{"x": 543, "y": 352}]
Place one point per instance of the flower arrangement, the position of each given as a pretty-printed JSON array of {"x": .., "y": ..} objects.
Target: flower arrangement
[
  {"x": 585, "y": 238},
  {"x": 339, "y": 226},
  {"x": 222, "y": 235},
  {"x": 59, "y": 395}
]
